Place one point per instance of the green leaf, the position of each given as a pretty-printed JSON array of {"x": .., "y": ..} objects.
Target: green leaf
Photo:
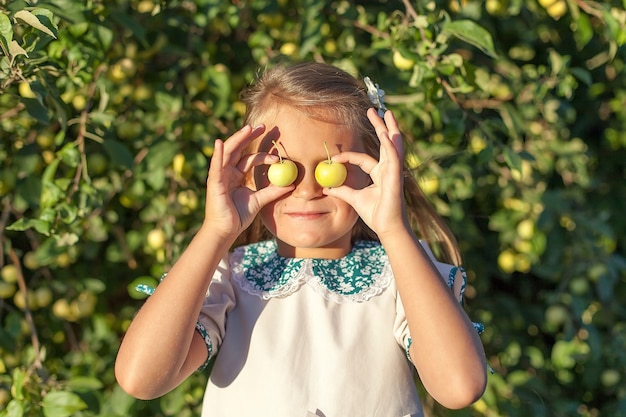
[
  {"x": 582, "y": 75},
  {"x": 50, "y": 172},
  {"x": 105, "y": 35},
  {"x": 14, "y": 409},
  {"x": 70, "y": 155},
  {"x": 39, "y": 225},
  {"x": 67, "y": 213},
  {"x": 6, "y": 32},
  {"x": 121, "y": 402},
  {"x": 62, "y": 404},
  {"x": 85, "y": 384},
  {"x": 33, "y": 20},
  {"x": 17, "y": 388},
  {"x": 50, "y": 195},
  {"x": 513, "y": 160},
  {"x": 36, "y": 110},
  {"x": 472, "y": 33},
  {"x": 66, "y": 9},
  {"x": 161, "y": 154},
  {"x": 118, "y": 152},
  {"x": 46, "y": 18},
  {"x": 310, "y": 33}
]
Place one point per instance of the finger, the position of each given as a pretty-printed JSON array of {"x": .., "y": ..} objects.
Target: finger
[
  {"x": 376, "y": 121},
  {"x": 215, "y": 166},
  {"x": 362, "y": 160},
  {"x": 237, "y": 143},
  {"x": 249, "y": 161},
  {"x": 388, "y": 132},
  {"x": 394, "y": 132},
  {"x": 270, "y": 193},
  {"x": 343, "y": 192}
]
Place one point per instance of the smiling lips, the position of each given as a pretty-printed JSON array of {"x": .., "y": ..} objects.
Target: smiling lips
[{"x": 306, "y": 215}]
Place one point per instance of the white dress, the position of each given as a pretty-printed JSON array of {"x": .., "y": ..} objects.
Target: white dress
[{"x": 292, "y": 337}]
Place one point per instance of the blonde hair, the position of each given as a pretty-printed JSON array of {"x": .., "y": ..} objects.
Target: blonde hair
[{"x": 326, "y": 92}]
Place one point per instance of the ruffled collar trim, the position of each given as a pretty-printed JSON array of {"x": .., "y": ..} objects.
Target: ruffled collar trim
[{"x": 362, "y": 274}]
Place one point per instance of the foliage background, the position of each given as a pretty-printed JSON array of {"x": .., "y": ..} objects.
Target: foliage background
[{"x": 108, "y": 112}]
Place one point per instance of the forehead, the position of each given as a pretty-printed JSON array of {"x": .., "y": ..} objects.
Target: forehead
[{"x": 294, "y": 127}]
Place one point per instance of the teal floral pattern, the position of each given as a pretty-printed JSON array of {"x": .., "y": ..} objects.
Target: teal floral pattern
[{"x": 360, "y": 275}]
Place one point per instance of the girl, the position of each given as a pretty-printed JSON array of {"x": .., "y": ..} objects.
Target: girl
[{"x": 328, "y": 297}]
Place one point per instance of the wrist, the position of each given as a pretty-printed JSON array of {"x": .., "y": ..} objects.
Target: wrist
[
  {"x": 213, "y": 234},
  {"x": 394, "y": 229}
]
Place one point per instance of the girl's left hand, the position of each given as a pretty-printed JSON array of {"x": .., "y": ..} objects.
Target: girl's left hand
[{"x": 381, "y": 204}]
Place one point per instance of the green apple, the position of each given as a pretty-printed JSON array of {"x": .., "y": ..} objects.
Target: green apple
[
  {"x": 401, "y": 62},
  {"x": 25, "y": 90},
  {"x": 330, "y": 174},
  {"x": 61, "y": 308},
  {"x": 7, "y": 289},
  {"x": 557, "y": 9},
  {"x": 156, "y": 238},
  {"x": 282, "y": 173},
  {"x": 9, "y": 273},
  {"x": 43, "y": 297}
]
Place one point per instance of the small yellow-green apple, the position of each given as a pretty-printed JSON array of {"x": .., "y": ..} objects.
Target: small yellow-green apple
[
  {"x": 557, "y": 10},
  {"x": 96, "y": 163},
  {"x": 30, "y": 260},
  {"x": 9, "y": 273},
  {"x": 506, "y": 261},
  {"x": 610, "y": 377},
  {"x": 496, "y": 7},
  {"x": 43, "y": 297},
  {"x": 25, "y": 90},
  {"x": 79, "y": 102},
  {"x": 7, "y": 289},
  {"x": 45, "y": 139},
  {"x": 288, "y": 48},
  {"x": 330, "y": 174},
  {"x": 156, "y": 238},
  {"x": 282, "y": 173},
  {"x": 61, "y": 308},
  {"x": 401, "y": 62},
  {"x": 547, "y": 3}
]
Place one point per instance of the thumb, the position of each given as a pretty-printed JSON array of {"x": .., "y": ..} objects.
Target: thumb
[
  {"x": 343, "y": 192},
  {"x": 270, "y": 193}
]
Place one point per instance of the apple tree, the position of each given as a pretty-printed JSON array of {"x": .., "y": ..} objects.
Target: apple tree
[{"x": 514, "y": 113}]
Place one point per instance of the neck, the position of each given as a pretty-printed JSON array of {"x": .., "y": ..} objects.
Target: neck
[{"x": 332, "y": 251}]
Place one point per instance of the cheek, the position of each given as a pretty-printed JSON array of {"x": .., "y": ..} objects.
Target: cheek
[
  {"x": 356, "y": 178},
  {"x": 267, "y": 217}
]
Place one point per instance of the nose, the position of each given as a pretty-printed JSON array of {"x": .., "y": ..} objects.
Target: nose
[{"x": 306, "y": 186}]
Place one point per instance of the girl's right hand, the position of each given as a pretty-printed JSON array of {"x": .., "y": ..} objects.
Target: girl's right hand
[{"x": 230, "y": 204}]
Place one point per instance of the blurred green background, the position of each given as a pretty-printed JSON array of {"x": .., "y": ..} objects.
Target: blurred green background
[{"x": 516, "y": 115}]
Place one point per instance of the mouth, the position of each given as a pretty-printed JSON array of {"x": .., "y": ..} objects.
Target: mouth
[{"x": 306, "y": 215}]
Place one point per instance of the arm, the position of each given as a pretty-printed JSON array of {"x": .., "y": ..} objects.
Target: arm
[
  {"x": 447, "y": 352},
  {"x": 161, "y": 347}
]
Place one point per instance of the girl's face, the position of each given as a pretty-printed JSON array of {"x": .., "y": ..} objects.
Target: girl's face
[{"x": 305, "y": 222}]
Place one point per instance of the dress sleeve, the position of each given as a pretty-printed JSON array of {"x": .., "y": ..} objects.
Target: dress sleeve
[
  {"x": 219, "y": 300},
  {"x": 454, "y": 277}
]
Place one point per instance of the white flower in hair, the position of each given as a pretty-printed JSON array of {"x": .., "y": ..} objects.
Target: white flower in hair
[{"x": 376, "y": 96}]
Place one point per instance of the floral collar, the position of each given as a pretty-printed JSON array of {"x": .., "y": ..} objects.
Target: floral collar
[{"x": 357, "y": 277}]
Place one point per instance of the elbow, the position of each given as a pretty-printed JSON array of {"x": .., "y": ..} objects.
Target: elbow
[
  {"x": 133, "y": 383},
  {"x": 464, "y": 392}
]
